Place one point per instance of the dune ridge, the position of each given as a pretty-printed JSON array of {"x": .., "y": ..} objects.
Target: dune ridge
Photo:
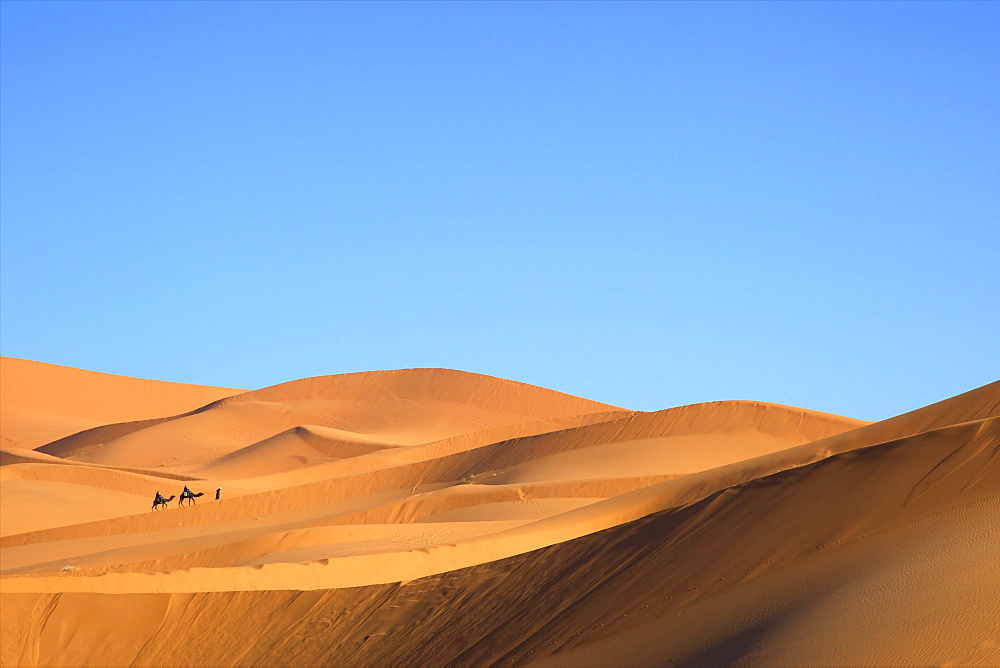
[
  {"x": 436, "y": 516},
  {"x": 406, "y": 407},
  {"x": 51, "y": 401}
]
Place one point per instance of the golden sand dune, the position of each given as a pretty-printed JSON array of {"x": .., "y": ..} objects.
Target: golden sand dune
[
  {"x": 44, "y": 402},
  {"x": 440, "y": 517},
  {"x": 407, "y": 407}
]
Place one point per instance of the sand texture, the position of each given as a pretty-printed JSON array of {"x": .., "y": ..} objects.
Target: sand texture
[{"x": 438, "y": 517}]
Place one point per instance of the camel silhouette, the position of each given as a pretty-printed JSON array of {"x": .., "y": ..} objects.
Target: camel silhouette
[
  {"x": 189, "y": 495},
  {"x": 161, "y": 500}
]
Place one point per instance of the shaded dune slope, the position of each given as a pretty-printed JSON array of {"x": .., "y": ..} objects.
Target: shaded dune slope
[{"x": 437, "y": 517}]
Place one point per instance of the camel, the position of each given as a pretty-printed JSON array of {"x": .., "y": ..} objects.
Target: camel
[
  {"x": 161, "y": 500},
  {"x": 189, "y": 495}
]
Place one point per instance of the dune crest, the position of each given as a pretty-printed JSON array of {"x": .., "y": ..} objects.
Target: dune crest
[
  {"x": 44, "y": 402},
  {"x": 405, "y": 407},
  {"x": 442, "y": 517}
]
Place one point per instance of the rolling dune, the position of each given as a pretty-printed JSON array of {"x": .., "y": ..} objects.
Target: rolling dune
[
  {"x": 429, "y": 516},
  {"x": 44, "y": 402},
  {"x": 406, "y": 407}
]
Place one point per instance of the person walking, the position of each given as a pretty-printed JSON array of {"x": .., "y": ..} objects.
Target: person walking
[{"x": 218, "y": 494}]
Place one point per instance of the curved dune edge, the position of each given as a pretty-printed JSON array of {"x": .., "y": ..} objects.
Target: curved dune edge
[
  {"x": 405, "y": 566},
  {"x": 381, "y": 454},
  {"x": 406, "y": 407},
  {"x": 44, "y": 402}
]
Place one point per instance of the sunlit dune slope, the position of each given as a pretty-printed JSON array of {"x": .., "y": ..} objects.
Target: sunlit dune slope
[
  {"x": 310, "y": 453},
  {"x": 438, "y": 517},
  {"x": 406, "y": 407},
  {"x": 299, "y": 446},
  {"x": 42, "y": 402}
]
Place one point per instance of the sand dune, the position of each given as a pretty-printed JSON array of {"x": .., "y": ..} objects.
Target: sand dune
[
  {"x": 407, "y": 407},
  {"x": 44, "y": 402},
  {"x": 429, "y": 516}
]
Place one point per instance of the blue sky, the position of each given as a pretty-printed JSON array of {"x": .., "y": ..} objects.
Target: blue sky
[{"x": 647, "y": 204}]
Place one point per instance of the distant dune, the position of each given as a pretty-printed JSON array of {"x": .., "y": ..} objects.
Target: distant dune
[
  {"x": 44, "y": 402},
  {"x": 432, "y": 517}
]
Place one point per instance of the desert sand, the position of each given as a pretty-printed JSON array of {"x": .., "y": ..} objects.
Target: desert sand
[{"x": 432, "y": 517}]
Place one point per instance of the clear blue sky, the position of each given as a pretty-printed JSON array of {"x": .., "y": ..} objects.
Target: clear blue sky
[{"x": 647, "y": 204}]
